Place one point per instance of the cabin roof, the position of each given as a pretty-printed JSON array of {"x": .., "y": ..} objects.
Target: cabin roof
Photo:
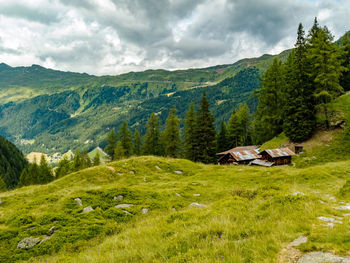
[
  {"x": 275, "y": 153},
  {"x": 244, "y": 155},
  {"x": 239, "y": 149}
]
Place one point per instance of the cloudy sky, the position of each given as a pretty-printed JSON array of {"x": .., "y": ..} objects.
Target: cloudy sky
[{"x": 117, "y": 36}]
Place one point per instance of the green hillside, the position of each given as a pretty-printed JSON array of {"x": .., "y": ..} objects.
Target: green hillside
[{"x": 249, "y": 214}]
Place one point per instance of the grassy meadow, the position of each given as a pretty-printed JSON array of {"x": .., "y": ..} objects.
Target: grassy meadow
[{"x": 250, "y": 213}]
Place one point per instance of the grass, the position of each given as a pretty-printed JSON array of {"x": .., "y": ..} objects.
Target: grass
[
  {"x": 276, "y": 142},
  {"x": 250, "y": 216}
]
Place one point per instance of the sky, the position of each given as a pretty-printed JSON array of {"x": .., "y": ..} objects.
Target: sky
[{"x": 110, "y": 37}]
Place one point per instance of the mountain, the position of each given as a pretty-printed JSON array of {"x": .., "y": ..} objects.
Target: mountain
[
  {"x": 44, "y": 110},
  {"x": 12, "y": 163}
]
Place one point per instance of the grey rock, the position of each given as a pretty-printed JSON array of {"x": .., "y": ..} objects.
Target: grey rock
[
  {"x": 196, "y": 205},
  {"x": 329, "y": 220},
  {"x": 45, "y": 239},
  {"x": 323, "y": 257},
  {"x": 126, "y": 212},
  {"x": 177, "y": 194},
  {"x": 158, "y": 168},
  {"x": 297, "y": 193},
  {"x": 173, "y": 209},
  {"x": 0, "y": 201},
  {"x": 144, "y": 211},
  {"x": 119, "y": 174},
  {"x": 118, "y": 198},
  {"x": 298, "y": 241},
  {"x": 343, "y": 207},
  {"x": 132, "y": 172},
  {"x": 78, "y": 201},
  {"x": 123, "y": 206},
  {"x": 87, "y": 209},
  {"x": 196, "y": 195},
  {"x": 178, "y": 172},
  {"x": 28, "y": 243},
  {"x": 52, "y": 230}
]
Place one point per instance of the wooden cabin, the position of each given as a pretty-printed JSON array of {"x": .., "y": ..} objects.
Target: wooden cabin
[
  {"x": 238, "y": 157},
  {"x": 238, "y": 149},
  {"x": 281, "y": 156}
]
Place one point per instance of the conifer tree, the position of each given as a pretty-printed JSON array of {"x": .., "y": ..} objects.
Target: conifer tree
[
  {"x": 119, "y": 151},
  {"x": 45, "y": 171},
  {"x": 205, "y": 146},
  {"x": 3, "y": 186},
  {"x": 152, "y": 144},
  {"x": 97, "y": 160},
  {"x": 171, "y": 135},
  {"x": 33, "y": 173},
  {"x": 63, "y": 168},
  {"x": 24, "y": 179},
  {"x": 85, "y": 160},
  {"x": 244, "y": 121},
  {"x": 345, "y": 58},
  {"x": 324, "y": 55},
  {"x": 137, "y": 142},
  {"x": 222, "y": 143},
  {"x": 77, "y": 161},
  {"x": 271, "y": 100},
  {"x": 233, "y": 130},
  {"x": 111, "y": 143},
  {"x": 299, "y": 110},
  {"x": 125, "y": 138},
  {"x": 190, "y": 133}
]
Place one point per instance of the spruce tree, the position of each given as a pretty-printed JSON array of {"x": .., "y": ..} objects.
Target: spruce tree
[
  {"x": 63, "y": 168},
  {"x": 233, "y": 130},
  {"x": 137, "y": 142},
  {"x": 45, "y": 171},
  {"x": 205, "y": 145},
  {"x": 111, "y": 143},
  {"x": 299, "y": 110},
  {"x": 244, "y": 121},
  {"x": 152, "y": 144},
  {"x": 222, "y": 143},
  {"x": 171, "y": 135},
  {"x": 3, "y": 186},
  {"x": 190, "y": 133},
  {"x": 119, "y": 151},
  {"x": 33, "y": 173},
  {"x": 271, "y": 100},
  {"x": 125, "y": 138},
  {"x": 324, "y": 56},
  {"x": 97, "y": 160},
  {"x": 345, "y": 59},
  {"x": 24, "y": 179},
  {"x": 77, "y": 163}
]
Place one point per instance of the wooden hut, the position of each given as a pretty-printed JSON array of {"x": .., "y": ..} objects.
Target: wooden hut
[
  {"x": 238, "y": 149},
  {"x": 238, "y": 157},
  {"x": 277, "y": 156}
]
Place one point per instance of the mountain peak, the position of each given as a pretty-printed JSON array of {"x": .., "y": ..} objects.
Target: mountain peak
[{"x": 4, "y": 66}]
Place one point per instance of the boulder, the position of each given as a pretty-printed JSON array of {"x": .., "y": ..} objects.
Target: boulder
[
  {"x": 196, "y": 205},
  {"x": 126, "y": 212},
  {"x": 178, "y": 172},
  {"x": 196, "y": 195},
  {"x": 28, "y": 243},
  {"x": 87, "y": 209},
  {"x": 123, "y": 206},
  {"x": 78, "y": 201},
  {"x": 322, "y": 257},
  {"x": 177, "y": 194},
  {"x": 132, "y": 172},
  {"x": 298, "y": 241},
  {"x": 158, "y": 168},
  {"x": 144, "y": 211},
  {"x": 118, "y": 198}
]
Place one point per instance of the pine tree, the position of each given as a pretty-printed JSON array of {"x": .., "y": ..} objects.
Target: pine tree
[
  {"x": 205, "y": 145},
  {"x": 77, "y": 163},
  {"x": 299, "y": 110},
  {"x": 97, "y": 160},
  {"x": 63, "y": 168},
  {"x": 85, "y": 160},
  {"x": 119, "y": 151},
  {"x": 137, "y": 141},
  {"x": 233, "y": 130},
  {"x": 125, "y": 138},
  {"x": 33, "y": 173},
  {"x": 3, "y": 186},
  {"x": 152, "y": 144},
  {"x": 45, "y": 171},
  {"x": 24, "y": 179},
  {"x": 171, "y": 135},
  {"x": 271, "y": 100},
  {"x": 324, "y": 55},
  {"x": 111, "y": 143},
  {"x": 244, "y": 121},
  {"x": 222, "y": 143},
  {"x": 190, "y": 133}
]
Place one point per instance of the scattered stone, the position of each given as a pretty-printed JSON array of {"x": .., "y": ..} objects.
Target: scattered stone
[
  {"x": 332, "y": 198},
  {"x": 196, "y": 195},
  {"x": 132, "y": 172},
  {"x": 78, "y": 201},
  {"x": 344, "y": 207},
  {"x": 298, "y": 193},
  {"x": 178, "y": 172},
  {"x": 0, "y": 201},
  {"x": 298, "y": 241},
  {"x": 327, "y": 219},
  {"x": 177, "y": 194},
  {"x": 118, "y": 198},
  {"x": 173, "y": 209},
  {"x": 87, "y": 209},
  {"x": 323, "y": 257},
  {"x": 194, "y": 183},
  {"x": 123, "y": 206},
  {"x": 52, "y": 230},
  {"x": 144, "y": 211},
  {"x": 346, "y": 214},
  {"x": 111, "y": 168},
  {"x": 28, "y": 243},
  {"x": 158, "y": 168},
  {"x": 331, "y": 225},
  {"x": 126, "y": 212},
  {"x": 322, "y": 202},
  {"x": 144, "y": 179},
  {"x": 196, "y": 205},
  {"x": 45, "y": 239},
  {"x": 120, "y": 174}
]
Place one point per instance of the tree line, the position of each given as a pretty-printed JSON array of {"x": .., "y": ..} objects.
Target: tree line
[{"x": 292, "y": 93}]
